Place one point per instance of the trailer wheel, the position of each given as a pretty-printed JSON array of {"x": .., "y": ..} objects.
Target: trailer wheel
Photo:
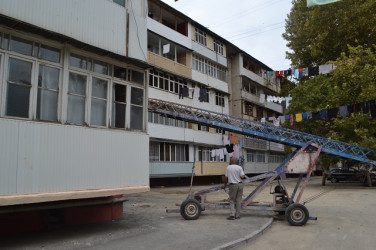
[
  {"x": 190, "y": 209},
  {"x": 297, "y": 214}
]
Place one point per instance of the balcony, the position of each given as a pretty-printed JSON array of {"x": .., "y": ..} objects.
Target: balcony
[
  {"x": 256, "y": 100},
  {"x": 169, "y": 33},
  {"x": 169, "y": 65}
]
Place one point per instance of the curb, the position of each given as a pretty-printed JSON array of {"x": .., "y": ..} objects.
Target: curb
[{"x": 247, "y": 238}]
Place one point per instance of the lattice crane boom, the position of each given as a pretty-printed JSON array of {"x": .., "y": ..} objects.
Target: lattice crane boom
[{"x": 261, "y": 130}]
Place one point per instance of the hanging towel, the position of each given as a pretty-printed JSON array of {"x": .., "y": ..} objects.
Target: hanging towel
[
  {"x": 325, "y": 69},
  {"x": 233, "y": 138},
  {"x": 313, "y": 71},
  {"x": 185, "y": 91},
  {"x": 221, "y": 154},
  {"x": 309, "y": 115},
  {"x": 276, "y": 122},
  {"x": 305, "y": 71},
  {"x": 224, "y": 151},
  {"x": 296, "y": 73},
  {"x": 191, "y": 92},
  {"x": 350, "y": 108},
  {"x": 343, "y": 111},
  {"x": 217, "y": 152},
  {"x": 229, "y": 136},
  {"x": 316, "y": 115},
  {"x": 324, "y": 114},
  {"x": 332, "y": 113},
  {"x": 372, "y": 107},
  {"x": 304, "y": 116},
  {"x": 230, "y": 148},
  {"x": 288, "y": 99},
  {"x": 282, "y": 119},
  {"x": 358, "y": 106},
  {"x": 213, "y": 152},
  {"x": 298, "y": 117},
  {"x": 263, "y": 120},
  {"x": 196, "y": 94},
  {"x": 365, "y": 107},
  {"x": 291, "y": 120}
]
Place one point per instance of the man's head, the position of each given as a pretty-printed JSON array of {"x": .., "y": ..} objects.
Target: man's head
[{"x": 234, "y": 160}]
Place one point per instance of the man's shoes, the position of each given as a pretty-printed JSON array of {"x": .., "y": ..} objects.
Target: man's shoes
[
  {"x": 237, "y": 217},
  {"x": 231, "y": 218}
]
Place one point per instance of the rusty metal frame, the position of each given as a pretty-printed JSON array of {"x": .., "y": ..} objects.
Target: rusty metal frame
[{"x": 268, "y": 178}]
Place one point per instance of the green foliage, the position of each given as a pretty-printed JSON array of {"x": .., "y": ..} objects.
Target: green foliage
[
  {"x": 354, "y": 80},
  {"x": 319, "y": 34}
]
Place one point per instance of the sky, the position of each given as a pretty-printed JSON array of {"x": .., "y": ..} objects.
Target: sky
[{"x": 254, "y": 26}]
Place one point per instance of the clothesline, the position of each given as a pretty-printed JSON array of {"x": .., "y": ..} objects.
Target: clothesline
[
  {"x": 303, "y": 72},
  {"x": 366, "y": 107},
  {"x": 232, "y": 150}
]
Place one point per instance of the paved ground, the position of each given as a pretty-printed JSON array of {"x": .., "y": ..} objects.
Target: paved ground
[
  {"x": 345, "y": 214},
  {"x": 346, "y": 220}
]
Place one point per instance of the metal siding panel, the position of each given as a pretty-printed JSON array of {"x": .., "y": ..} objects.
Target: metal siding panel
[
  {"x": 170, "y": 168},
  {"x": 96, "y": 22},
  {"x": 53, "y": 157},
  {"x": 8, "y": 156}
]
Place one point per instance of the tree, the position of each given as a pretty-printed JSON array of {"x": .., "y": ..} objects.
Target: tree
[
  {"x": 353, "y": 81},
  {"x": 320, "y": 34}
]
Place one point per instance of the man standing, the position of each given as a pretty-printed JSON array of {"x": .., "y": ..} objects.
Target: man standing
[{"x": 234, "y": 176}]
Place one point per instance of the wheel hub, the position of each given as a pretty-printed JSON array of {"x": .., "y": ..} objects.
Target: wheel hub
[{"x": 297, "y": 215}]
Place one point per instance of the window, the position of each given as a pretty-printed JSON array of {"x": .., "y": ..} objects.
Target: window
[
  {"x": 172, "y": 152},
  {"x": 218, "y": 47},
  {"x": 204, "y": 154},
  {"x": 255, "y": 156},
  {"x": 21, "y": 46},
  {"x": 48, "y": 93},
  {"x": 154, "y": 151},
  {"x": 260, "y": 113},
  {"x": 209, "y": 68},
  {"x": 137, "y": 101},
  {"x": 21, "y": 83},
  {"x": 18, "y": 89},
  {"x": 248, "y": 109},
  {"x": 165, "y": 82},
  {"x": 167, "y": 49},
  {"x": 219, "y": 99},
  {"x": 98, "y": 102},
  {"x": 119, "y": 94},
  {"x": 276, "y": 158},
  {"x": 200, "y": 36},
  {"x": 76, "y": 99},
  {"x": 48, "y": 53}
]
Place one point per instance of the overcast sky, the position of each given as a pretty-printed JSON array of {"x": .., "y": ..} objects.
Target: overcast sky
[{"x": 255, "y": 26}]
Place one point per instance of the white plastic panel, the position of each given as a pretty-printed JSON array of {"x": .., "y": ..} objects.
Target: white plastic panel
[
  {"x": 99, "y": 23},
  {"x": 40, "y": 157}
]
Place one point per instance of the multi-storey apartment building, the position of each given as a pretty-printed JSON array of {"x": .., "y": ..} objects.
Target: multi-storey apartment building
[
  {"x": 249, "y": 81},
  {"x": 183, "y": 53},
  {"x": 72, "y": 104}
]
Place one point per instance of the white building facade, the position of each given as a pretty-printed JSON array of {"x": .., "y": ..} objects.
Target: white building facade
[{"x": 73, "y": 99}]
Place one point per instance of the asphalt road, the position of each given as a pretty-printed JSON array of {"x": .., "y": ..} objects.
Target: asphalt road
[
  {"x": 346, "y": 221},
  {"x": 345, "y": 211}
]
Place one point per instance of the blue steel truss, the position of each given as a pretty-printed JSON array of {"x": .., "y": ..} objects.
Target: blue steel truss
[{"x": 261, "y": 130}]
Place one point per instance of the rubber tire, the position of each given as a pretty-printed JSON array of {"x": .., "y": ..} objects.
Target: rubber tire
[
  {"x": 297, "y": 214},
  {"x": 190, "y": 209}
]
